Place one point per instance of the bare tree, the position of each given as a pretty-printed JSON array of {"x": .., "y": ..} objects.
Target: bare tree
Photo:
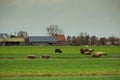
[
  {"x": 102, "y": 41},
  {"x": 74, "y": 40},
  {"x": 114, "y": 40},
  {"x": 93, "y": 40},
  {"x": 80, "y": 40},
  {"x": 83, "y": 38},
  {"x": 54, "y": 30},
  {"x": 69, "y": 40},
  {"x": 22, "y": 34}
]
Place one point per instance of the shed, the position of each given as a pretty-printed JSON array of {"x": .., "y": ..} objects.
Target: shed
[{"x": 15, "y": 41}]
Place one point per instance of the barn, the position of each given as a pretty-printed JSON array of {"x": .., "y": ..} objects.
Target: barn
[{"x": 42, "y": 40}]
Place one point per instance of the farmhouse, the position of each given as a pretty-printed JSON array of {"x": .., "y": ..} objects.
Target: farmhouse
[{"x": 61, "y": 40}]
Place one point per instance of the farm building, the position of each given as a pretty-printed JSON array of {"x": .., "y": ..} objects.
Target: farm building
[
  {"x": 42, "y": 40},
  {"x": 6, "y": 40},
  {"x": 47, "y": 40},
  {"x": 14, "y": 41},
  {"x": 61, "y": 40}
]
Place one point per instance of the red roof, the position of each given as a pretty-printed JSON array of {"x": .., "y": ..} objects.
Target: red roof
[{"x": 61, "y": 38}]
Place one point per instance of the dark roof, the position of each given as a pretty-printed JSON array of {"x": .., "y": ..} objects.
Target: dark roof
[
  {"x": 49, "y": 39},
  {"x": 4, "y": 35}
]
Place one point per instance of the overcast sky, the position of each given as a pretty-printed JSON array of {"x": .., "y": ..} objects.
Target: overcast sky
[{"x": 96, "y": 17}]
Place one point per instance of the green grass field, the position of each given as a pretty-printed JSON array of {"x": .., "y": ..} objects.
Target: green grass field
[
  {"x": 13, "y": 52},
  {"x": 70, "y": 64},
  {"x": 113, "y": 77}
]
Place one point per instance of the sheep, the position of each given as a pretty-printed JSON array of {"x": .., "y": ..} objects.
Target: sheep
[
  {"x": 91, "y": 50},
  {"x": 86, "y": 51},
  {"x": 58, "y": 50},
  {"x": 98, "y": 54},
  {"x": 83, "y": 50},
  {"x": 31, "y": 56},
  {"x": 45, "y": 56}
]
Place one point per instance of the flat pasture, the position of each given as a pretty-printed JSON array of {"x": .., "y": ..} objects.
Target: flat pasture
[
  {"x": 113, "y": 77},
  {"x": 71, "y": 52},
  {"x": 70, "y": 64}
]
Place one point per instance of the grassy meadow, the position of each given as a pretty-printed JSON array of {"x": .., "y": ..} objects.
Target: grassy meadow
[
  {"x": 70, "y": 64},
  {"x": 114, "y": 77},
  {"x": 13, "y": 52}
]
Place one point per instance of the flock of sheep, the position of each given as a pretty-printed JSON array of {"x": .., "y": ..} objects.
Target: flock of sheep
[
  {"x": 83, "y": 51},
  {"x": 86, "y": 51}
]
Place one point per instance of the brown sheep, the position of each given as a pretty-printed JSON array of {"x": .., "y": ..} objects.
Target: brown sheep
[
  {"x": 86, "y": 51},
  {"x": 91, "y": 50},
  {"x": 83, "y": 50},
  {"x": 58, "y": 50},
  {"x": 31, "y": 56},
  {"x": 98, "y": 54},
  {"x": 45, "y": 56}
]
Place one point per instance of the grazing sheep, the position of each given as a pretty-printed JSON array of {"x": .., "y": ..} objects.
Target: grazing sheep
[
  {"x": 31, "y": 56},
  {"x": 58, "y": 50},
  {"x": 45, "y": 56},
  {"x": 98, "y": 54},
  {"x": 86, "y": 51},
  {"x": 83, "y": 50},
  {"x": 91, "y": 50}
]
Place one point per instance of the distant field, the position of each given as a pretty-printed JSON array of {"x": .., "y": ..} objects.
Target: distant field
[
  {"x": 70, "y": 65},
  {"x": 13, "y": 52}
]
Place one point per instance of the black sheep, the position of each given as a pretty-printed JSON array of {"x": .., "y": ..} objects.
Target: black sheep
[{"x": 58, "y": 51}]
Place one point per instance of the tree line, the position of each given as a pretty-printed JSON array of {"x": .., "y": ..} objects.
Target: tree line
[{"x": 82, "y": 39}]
